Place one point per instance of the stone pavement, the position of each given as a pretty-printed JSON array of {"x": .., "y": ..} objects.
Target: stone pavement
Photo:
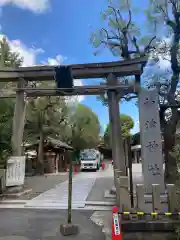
[
  {"x": 58, "y": 196},
  {"x": 44, "y": 225},
  {"x": 82, "y": 186},
  {"x": 40, "y": 184}
]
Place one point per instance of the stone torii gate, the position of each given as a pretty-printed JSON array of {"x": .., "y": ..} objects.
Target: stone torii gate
[{"x": 109, "y": 70}]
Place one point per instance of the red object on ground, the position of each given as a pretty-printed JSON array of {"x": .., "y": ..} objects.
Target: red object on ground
[
  {"x": 103, "y": 166},
  {"x": 75, "y": 169},
  {"x": 116, "y": 228}
]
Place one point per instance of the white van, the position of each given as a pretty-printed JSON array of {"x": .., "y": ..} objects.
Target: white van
[{"x": 90, "y": 159}]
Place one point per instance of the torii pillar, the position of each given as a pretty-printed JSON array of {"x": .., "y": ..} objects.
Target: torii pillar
[
  {"x": 114, "y": 118},
  {"x": 15, "y": 172}
]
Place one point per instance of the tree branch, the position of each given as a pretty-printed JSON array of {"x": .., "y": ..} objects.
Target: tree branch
[
  {"x": 130, "y": 15},
  {"x": 115, "y": 13},
  {"x": 134, "y": 41},
  {"x": 148, "y": 47},
  {"x": 163, "y": 11},
  {"x": 165, "y": 106},
  {"x": 107, "y": 35},
  {"x": 171, "y": 24}
]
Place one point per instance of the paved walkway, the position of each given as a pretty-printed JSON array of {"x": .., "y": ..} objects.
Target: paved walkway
[
  {"x": 58, "y": 196},
  {"x": 40, "y": 184}
]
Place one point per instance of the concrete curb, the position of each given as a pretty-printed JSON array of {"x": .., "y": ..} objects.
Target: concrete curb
[
  {"x": 13, "y": 202},
  {"x": 15, "y": 194},
  {"x": 107, "y": 233},
  {"x": 103, "y": 220}
]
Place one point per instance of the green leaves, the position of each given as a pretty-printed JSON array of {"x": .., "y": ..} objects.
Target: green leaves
[
  {"x": 45, "y": 114},
  {"x": 127, "y": 124},
  {"x": 6, "y": 115},
  {"x": 75, "y": 124},
  {"x": 119, "y": 30},
  {"x": 7, "y": 59},
  {"x": 85, "y": 127}
]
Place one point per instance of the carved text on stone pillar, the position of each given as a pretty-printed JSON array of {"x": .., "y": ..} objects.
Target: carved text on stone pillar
[
  {"x": 154, "y": 169},
  {"x": 150, "y": 124},
  {"x": 152, "y": 146},
  {"x": 151, "y": 142}
]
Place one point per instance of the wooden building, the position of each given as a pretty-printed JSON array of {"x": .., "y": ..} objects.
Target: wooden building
[{"x": 56, "y": 156}]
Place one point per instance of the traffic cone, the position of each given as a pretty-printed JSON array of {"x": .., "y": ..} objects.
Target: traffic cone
[{"x": 116, "y": 228}]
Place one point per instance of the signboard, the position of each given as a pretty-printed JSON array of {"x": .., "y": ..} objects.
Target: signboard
[
  {"x": 116, "y": 224},
  {"x": 15, "y": 172}
]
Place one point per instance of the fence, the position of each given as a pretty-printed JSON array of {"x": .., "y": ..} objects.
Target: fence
[{"x": 154, "y": 205}]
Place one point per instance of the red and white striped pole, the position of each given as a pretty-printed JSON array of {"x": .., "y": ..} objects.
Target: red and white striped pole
[{"x": 116, "y": 228}]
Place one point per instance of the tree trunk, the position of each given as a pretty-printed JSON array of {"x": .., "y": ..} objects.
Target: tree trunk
[
  {"x": 40, "y": 163},
  {"x": 170, "y": 161},
  {"x": 169, "y": 143}
]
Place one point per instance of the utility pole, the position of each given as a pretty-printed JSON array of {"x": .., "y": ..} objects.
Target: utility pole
[{"x": 114, "y": 119}]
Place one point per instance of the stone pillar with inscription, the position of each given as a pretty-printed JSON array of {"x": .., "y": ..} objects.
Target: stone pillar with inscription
[{"x": 151, "y": 143}]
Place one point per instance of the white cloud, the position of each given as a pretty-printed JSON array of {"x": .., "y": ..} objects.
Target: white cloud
[
  {"x": 29, "y": 54},
  {"x": 37, "y": 6},
  {"x": 29, "y": 59},
  {"x": 76, "y": 99},
  {"x": 59, "y": 59},
  {"x": 78, "y": 82},
  {"x": 162, "y": 67}
]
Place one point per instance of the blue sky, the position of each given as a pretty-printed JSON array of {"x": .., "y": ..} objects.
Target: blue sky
[{"x": 56, "y": 30}]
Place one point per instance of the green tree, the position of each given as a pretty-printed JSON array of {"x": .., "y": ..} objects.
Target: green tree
[
  {"x": 7, "y": 59},
  {"x": 121, "y": 35},
  {"x": 83, "y": 128},
  {"x": 167, "y": 13},
  {"x": 127, "y": 124},
  {"x": 6, "y": 116},
  {"x": 44, "y": 118}
]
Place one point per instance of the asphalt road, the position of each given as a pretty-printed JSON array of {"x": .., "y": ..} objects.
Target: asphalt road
[
  {"x": 21, "y": 224},
  {"x": 99, "y": 188},
  {"x": 104, "y": 181}
]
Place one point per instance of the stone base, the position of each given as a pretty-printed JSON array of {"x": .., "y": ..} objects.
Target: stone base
[
  {"x": 149, "y": 236},
  {"x": 149, "y": 226},
  {"x": 112, "y": 191},
  {"x": 14, "y": 189},
  {"x": 108, "y": 195},
  {"x": 69, "y": 229},
  {"x": 15, "y": 194}
]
